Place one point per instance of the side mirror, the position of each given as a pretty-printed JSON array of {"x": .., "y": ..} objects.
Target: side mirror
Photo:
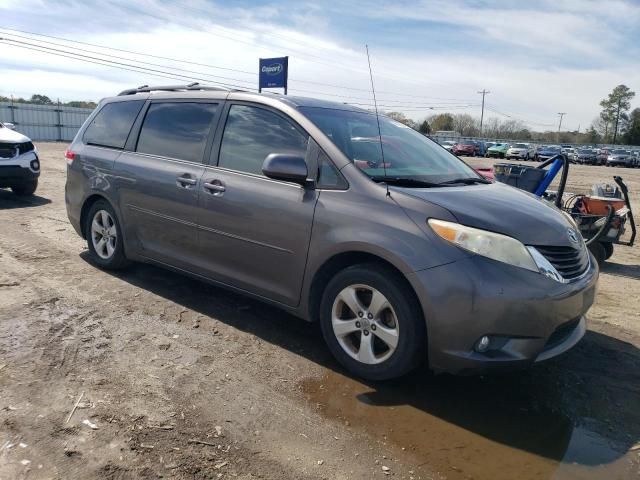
[{"x": 287, "y": 167}]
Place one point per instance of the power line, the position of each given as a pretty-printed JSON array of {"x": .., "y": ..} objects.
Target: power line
[
  {"x": 311, "y": 82},
  {"x": 514, "y": 117},
  {"x": 203, "y": 75},
  {"x": 181, "y": 77},
  {"x": 119, "y": 65},
  {"x": 119, "y": 58}
]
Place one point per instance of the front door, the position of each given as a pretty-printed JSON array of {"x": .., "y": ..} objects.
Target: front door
[{"x": 255, "y": 231}]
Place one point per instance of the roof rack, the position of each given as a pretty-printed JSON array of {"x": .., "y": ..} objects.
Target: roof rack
[{"x": 171, "y": 88}]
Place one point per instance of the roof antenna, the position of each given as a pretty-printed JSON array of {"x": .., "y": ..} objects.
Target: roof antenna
[{"x": 375, "y": 104}]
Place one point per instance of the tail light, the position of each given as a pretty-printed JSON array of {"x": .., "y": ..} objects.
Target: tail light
[{"x": 70, "y": 156}]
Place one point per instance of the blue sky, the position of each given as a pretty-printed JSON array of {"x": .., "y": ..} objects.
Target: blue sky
[{"x": 537, "y": 57}]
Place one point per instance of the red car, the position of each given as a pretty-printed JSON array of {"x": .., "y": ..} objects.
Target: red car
[{"x": 468, "y": 149}]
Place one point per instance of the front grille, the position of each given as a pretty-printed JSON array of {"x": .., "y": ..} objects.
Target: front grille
[
  {"x": 561, "y": 333},
  {"x": 9, "y": 150},
  {"x": 570, "y": 262}
]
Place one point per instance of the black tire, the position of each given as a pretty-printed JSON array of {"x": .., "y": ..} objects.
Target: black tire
[
  {"x": 26, "y": 188},
  {"x": 598, "y": 251},
  {"x": 117, "y": 260},
  {"x": 411, "y": 348},
  {"x": 608, "y": 250}
]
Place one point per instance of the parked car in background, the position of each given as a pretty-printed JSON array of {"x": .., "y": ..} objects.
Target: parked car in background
[
  {"x": 586, "y": 156},
  {"x": 570, "y": 153},
  {"x": 635, "y": 158},
  {"x": 619, "y": 158},
  {"x": 601, "y": 156},
  {"x": 448, "y": 145},
  {"x": 499, "y": 150},
  {"x": 19, "y": 163},
  {"x": 408, "y": 259},
  {"x": 545, "y": 152},
  {"x": 466, "y": 148},
  {"x": 520, "y": 151}
]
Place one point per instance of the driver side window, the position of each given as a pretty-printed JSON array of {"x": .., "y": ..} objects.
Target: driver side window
[{"x": 252, "y": 133}]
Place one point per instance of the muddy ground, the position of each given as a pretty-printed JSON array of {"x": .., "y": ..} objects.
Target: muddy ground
[{"x": 174, "y": 378}]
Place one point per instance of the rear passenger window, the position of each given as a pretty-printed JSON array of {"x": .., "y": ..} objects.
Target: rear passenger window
[
  {"x": 251, "y": 134},
  {"x": 111, "y": 126},
  {"x": 176, "y": 130}
]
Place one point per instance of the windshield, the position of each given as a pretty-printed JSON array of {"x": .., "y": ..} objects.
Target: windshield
[
  {"x": 584, "y": 151},
  {"x": 519, "y": 145},
  {"x": 619, "y": 152},
  {"x": 407, "y": 153}
]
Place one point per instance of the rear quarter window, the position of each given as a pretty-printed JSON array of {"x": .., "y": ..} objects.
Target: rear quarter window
[{"x": 111, "y": 126}]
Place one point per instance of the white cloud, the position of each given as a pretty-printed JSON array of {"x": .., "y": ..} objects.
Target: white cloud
[{"x": 235, "y": 38}]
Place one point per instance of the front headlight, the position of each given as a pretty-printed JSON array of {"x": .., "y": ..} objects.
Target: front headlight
[{"x": 488, "y": 244}]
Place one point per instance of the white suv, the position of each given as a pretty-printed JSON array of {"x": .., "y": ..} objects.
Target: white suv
[
  {"x": 522, "y": 151},
  {"x": 19, "y": 163}
]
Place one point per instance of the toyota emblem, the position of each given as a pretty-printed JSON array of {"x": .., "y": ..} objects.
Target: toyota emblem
[{"x": 572, "y": 235}]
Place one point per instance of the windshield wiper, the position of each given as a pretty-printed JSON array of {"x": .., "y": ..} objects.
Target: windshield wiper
[
  {"x": 466, "y": 181},
  {"x": 405, "y": 182}
]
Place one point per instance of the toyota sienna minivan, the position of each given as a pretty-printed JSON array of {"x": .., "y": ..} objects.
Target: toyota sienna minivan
[{"x": 398, "y": 248}]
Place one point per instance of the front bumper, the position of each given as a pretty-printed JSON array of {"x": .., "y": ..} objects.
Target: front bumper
[
  {"x": 18, "y": 170},
  {"x": 531, "y": 317}
]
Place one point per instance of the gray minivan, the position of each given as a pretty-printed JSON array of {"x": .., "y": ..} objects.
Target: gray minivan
[{"x": 400, "y": 250}]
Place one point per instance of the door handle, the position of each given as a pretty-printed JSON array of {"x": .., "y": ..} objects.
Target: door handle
[
  {"x": 216, "y": 187},
  {"x": 185, "y": 181}
]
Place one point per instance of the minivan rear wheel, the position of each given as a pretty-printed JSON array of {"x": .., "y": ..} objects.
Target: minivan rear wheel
[
  {"x": 104, "y": 237},
  {"x": 372, "y": 324}
]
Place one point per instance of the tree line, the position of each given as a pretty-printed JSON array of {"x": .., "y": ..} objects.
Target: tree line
[
  {"x": 37, "y": 99},
  {"x": 615, "y": 124}
]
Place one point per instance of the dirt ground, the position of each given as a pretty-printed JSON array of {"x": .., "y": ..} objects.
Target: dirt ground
[{"x": 174, "y": 378}]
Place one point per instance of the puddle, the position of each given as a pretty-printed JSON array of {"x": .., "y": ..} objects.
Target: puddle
[{"x": 476, "y": 428}]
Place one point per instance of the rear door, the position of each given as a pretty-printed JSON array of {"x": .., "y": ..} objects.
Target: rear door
[
  {"x": 160, "y": 180},
  {"x": 255, "y": 231}
]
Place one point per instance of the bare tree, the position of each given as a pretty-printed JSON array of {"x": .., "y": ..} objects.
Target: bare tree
[{"x": 466, "y": 125}]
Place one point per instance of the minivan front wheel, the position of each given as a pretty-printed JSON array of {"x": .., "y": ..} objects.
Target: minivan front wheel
[
  {"x": 104, "y": 237},
  {"x": 372, "y": 325}
]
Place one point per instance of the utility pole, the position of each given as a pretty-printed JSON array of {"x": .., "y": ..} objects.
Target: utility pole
[
  {"x": 483, "y": 93},
  {"x": 562, "y": 114}
]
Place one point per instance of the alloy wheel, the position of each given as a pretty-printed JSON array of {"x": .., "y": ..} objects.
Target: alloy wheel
[
  {"x": 365, "y": 324},
  {"x": 104, "y": 234}
]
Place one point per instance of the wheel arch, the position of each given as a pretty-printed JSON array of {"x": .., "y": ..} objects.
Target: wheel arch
[
  {"x": 339, "y": 262},
  {"x": 86, "y": 206}
]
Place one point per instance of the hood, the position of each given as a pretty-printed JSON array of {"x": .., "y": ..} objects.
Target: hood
[
  {"x": 8, "y": 135},
  {"x": 502, "y": 209}
]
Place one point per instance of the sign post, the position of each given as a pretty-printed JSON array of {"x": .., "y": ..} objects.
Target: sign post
[{"x": 273, "y": 73}]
